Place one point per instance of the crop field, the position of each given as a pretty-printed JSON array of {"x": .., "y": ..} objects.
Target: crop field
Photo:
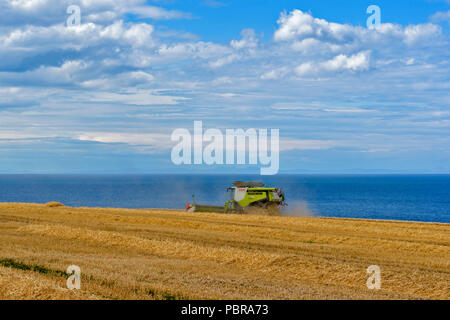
[{"x": 168, "y": 254}]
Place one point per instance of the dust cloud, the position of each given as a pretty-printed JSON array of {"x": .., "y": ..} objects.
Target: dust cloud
[{"x": 297, "y": 209}]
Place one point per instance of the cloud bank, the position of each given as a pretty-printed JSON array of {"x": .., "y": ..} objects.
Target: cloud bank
[{"x": 115, "y": 79}]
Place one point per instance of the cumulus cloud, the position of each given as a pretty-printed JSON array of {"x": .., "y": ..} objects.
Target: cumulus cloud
[
  {"x": 359, "y": 61},
  {"x": 322, "y": 46},
  {"x": 325, "y": 47},
  {"x": 299, "y": 25},
  {"x": 58, "y": 36},
  {"x": 421, "y": 33},
  {"x": 238, "y": 50},
  {"x": 128, "y": 72},
  {"x": 249, "y": 40},
  {"x": 275, "y": 74},
  {"x": 356, "y": 62},
  {"x": 136, "y": 35},
  {"x": 114, "y": 45}
]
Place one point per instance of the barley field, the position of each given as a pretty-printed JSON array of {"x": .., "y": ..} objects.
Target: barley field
[{"x": 168, "y": 254}]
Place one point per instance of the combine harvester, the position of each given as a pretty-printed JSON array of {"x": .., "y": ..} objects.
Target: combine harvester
[{"x": 246, "y": 198}]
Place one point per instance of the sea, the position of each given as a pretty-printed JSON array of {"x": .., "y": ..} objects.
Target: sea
[{"x": 392, "y": 197}]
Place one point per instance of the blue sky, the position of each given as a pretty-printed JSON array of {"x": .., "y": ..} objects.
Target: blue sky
[{"x": 104, "y": 97}]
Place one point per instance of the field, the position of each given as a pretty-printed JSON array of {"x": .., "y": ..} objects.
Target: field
[{"x": 166, "y": 254}]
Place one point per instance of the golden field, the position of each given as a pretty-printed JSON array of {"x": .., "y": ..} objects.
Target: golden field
[{"x": 168, "y": 254}]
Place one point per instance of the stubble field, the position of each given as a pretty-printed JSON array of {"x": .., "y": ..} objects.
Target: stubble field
[{"x": 167, "y": 254}]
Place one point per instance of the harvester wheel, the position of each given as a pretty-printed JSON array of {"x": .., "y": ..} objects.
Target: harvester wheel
[
  {"x": 252, "y": 210},
  {"x": 273, "y": 209}
]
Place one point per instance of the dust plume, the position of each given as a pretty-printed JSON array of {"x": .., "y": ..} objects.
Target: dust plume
[{"x": 297, "y": 209}]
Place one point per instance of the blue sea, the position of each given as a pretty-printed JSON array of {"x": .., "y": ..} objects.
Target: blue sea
[{"x": 397, "y": 197}]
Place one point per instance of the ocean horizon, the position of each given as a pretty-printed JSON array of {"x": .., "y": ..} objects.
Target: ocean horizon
[{"x": 410, "y": 197}]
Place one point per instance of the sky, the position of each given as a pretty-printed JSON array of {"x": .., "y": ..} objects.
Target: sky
[{"x": 105, "y": 96}]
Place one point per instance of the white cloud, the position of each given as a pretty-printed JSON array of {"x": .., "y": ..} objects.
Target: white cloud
[
  {"x": 275, "y": 74},
  {"x": 293, "y": 107},
  {"x": 306, "y": 68},
  {"x": 133, "y": 74},
  {"x": 51, "y": 12},
  {"x": 160, "y": 141},
  {"x": 356, "y": 62},
  {"x": 289, "y": 144},
  {"x": 82, "y": 36},
  {"x": 222, "y": 80},
  {"x": 156, "y": 139},
  {"x": 27, "y": 4},
  {"x": 69, "y": 72},
  {"x": 147, "y": 143},
  {"x": 189, "y": 50},
  {"x": 224, "y": 61},
  {"x": 134, "y": 98},
  {"x": 410, "y": 61},
  {"x": 158, "y": 13},
  {"x": 136, "y": 35},
  {"x": 249, "y": 40},
  {"x": 421, "y": 33},
  {"x": 346, "y": 110},
  {"x": 298, "y": 25},
  {"x": 102, "y": 17},
  {"x": 441, "y": 16},
  {"x": 309, "y": 45},
  {"x": 133, "y": 79}
]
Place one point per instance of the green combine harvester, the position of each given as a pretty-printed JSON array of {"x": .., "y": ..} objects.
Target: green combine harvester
[{"x": 246, "y": 198}]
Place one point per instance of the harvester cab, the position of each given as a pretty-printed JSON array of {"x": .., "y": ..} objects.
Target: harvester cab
[{"x": 247, "y": 198}]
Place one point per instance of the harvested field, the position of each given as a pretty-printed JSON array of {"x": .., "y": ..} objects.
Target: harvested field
[{"x": 166, "y": 254}]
